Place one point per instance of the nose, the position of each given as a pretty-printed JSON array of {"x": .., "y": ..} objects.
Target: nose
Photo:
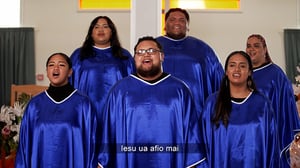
[
  {"x": 250, "y": 48},
  {"x": 237, "y": 68},
  {"x": 101, "y": 28},
  {"x": 55, "y": 66},
  {"x": 147, "y": 53}
]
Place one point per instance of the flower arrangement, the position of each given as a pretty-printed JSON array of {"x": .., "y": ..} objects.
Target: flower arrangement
[
  {"x": 296, "y": 88},
  {"x": 294, "y": 151},
  {"x": 294, "y": 148},
  {"x": 297, "y": 78},
  {"x": 10, "y": 120}
]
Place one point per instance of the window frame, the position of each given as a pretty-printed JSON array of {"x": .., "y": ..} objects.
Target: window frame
[{"x": 165, "y": 7}]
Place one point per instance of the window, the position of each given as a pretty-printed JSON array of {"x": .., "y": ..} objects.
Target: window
[
  {"x": 187, "y": 4},
  {"x": 206, "y": 4},
  {"x": 9, "y": 13},
  {"x": 104, "y": 4}
]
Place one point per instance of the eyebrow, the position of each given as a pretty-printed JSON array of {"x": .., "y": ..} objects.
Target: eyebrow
[
  {"x": 234, "y": 62},
  {"x": 58, "y": 62},
  {"x": 97, "y": 24}
]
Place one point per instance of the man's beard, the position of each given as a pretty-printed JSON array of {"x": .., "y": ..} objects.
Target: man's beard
[
  {"x": 154, "y": 71},
  {"x": 176, "y": 36}
]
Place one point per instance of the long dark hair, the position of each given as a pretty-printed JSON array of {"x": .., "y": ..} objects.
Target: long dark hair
[
  {"x": 223, "y": 106},
  {"x": 87, "y": 47}
]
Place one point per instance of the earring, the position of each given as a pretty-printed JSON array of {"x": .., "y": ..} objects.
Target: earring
[{"x": 249, "y": 82}]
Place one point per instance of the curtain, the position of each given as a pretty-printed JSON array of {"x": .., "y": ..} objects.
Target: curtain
[
  {"x": 17, "y": 60},
  {"x": 292, "y": 52}
]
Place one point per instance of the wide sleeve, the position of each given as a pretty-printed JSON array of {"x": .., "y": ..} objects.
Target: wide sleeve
[
  {"x": 25, "y": 139},
  {"x": 89, "y": 133},
  {"x": 271, "y": 137},
  {"x": 207, "y": 126},
  {"x": 107, "y": 145},
  {"x": 195, "y": 153},
  {"x": 287, "y": 114}
]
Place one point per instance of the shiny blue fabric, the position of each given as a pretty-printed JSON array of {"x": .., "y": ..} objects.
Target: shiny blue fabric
[
  {"x": 96, "y": 75},
  {"x": 194, "y": 62},
  {"x": 272, "y": 81},
  {"x": 57, "y": 134},
  {"x": 141, "y": 115},
  {"x": 249, "y": 141}
]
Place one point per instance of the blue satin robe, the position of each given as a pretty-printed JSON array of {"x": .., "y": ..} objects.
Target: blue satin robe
[
  {"x": 57, "y": 134},
  {"x": 141, "y": 116},
  {"x": 96, "y": 75},
  {"x": 249, "y": 141},
  {"x": 272, "y": 81},
  {"x": 194, "y": 62}
]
